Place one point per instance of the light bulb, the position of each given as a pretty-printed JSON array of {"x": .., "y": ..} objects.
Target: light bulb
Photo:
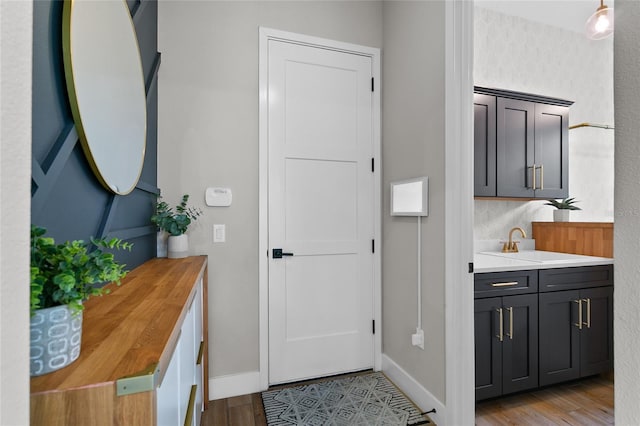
[{"x": 602, "y": 23}]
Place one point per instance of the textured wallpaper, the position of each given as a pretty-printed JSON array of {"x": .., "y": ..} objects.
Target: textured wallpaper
[{"x": 516, "y": 54}]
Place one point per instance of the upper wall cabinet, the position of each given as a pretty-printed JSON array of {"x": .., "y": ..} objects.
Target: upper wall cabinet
[{"x": 520, "y": 145}]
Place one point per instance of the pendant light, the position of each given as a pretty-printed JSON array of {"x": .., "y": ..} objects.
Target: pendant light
[{"x": 600, "y": 24}]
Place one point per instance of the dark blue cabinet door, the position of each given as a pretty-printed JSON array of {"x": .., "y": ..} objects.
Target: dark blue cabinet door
[
  {"x": 488, "y": 350},
  {"x": 559, "y": 336},
  {"x": 520, "y": 345},
  {"x": 484, "y": 145},
  {"x": 515, "y": 148},
  {"x": 552, "y": 151},
  {"x": 596, "y": 336}
]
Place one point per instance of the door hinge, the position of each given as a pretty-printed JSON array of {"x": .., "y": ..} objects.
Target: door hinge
[
  {"x": 471, "y": 267},
  {"x": 373, "y": 326},
  {"x": 372, "y": 164},
  {"x": 373, "y": 246},
  {"x": 372, "y": 85}
]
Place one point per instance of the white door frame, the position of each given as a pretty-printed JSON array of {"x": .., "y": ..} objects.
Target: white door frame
[
  {"x": 267, "y": 34},
  {"x": 459, "y": 206}
]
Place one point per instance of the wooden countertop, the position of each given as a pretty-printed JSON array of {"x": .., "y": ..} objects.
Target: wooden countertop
[
  {"x": 586, "y": 238},
  {"x": 152, "y": 298}
]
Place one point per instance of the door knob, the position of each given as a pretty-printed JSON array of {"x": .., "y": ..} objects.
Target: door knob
[{"x": 277, "y": 253}]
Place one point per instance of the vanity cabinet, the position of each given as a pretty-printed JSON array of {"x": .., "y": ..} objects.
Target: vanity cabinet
[
  {"x": 576, "y": 326},
  {"x": 506, "y": 337},
  {"x": 540, "y": 327},
  {"x": 520, "y": 145},
  {"x": 143, "y": 359}
]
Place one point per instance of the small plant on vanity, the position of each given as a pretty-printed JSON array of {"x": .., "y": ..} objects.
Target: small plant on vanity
[
  {"x": 175, "y": 223},
  {"x": 63, "y": 276},
  {"x": 563, "y": 207}
]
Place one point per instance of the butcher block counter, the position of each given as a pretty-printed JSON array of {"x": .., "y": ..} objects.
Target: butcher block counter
[{"x": 139, "y": 345}]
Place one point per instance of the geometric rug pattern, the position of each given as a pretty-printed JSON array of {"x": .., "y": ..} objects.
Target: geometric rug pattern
[{"x": 356, "y": 400}]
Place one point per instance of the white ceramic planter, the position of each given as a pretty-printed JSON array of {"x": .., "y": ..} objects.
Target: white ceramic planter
[
  {"x": 561, "y": 215},
  {"x": 178, "y": 246},
  {"x": 55, "y": 339}
]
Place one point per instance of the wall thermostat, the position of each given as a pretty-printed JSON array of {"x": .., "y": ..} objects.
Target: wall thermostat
[{"x": 218, "y": 197}]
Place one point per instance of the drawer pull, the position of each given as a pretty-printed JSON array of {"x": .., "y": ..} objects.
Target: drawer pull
[
  {"x": 188, "y": 420},
  {"x": 508, "y": 284}
]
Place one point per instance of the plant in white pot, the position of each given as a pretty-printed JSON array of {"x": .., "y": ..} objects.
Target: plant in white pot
[
  {"x": 175, "y": 223},
  {"x": 63, "y": 276},
  {"x": 563, "y": 207}
]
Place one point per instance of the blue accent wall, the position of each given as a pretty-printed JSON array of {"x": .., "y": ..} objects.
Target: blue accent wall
[{"x": 66, "y": 197}]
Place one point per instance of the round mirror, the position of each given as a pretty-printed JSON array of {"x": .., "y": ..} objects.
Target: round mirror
[{"x": 106, "y": 90}]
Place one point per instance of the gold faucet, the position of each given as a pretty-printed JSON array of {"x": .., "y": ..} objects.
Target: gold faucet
[{"x": 512, "y": 246}]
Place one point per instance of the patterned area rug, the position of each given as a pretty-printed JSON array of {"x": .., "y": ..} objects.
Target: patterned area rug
[{"x": 356, "y": 400}]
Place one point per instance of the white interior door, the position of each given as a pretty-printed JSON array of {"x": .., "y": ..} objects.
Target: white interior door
[{"x": 320, "y": 209}]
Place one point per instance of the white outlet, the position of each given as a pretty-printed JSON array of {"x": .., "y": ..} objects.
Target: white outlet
[
  {"x": 219, "y": 233},
  {"x": 417, "y": 339}
]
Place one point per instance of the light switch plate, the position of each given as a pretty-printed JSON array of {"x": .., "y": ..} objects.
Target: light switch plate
[{"x": 219, "y": 233}]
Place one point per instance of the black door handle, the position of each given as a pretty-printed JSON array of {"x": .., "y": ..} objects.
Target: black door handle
[{"x": 277, "y": 253}]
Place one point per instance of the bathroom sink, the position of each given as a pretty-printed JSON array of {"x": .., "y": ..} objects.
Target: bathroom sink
[{"x": 537, "y": 256}]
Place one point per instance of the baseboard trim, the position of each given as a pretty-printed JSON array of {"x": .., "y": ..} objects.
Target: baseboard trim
[
  {"x": 414, "y": 390},
  {"x": 234, "y": 384}
]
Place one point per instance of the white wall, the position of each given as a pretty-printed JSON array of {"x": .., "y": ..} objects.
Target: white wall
[
  {"x": 208, "y": 136},
  {"x": 627, "y": 229},
  {"x": 413, "y": 118},
  {"x": 16, "y": 26},
  {"x": 517, "y": 54}
]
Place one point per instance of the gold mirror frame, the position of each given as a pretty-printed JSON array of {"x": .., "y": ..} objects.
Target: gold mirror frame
[{"x": 105, "y": 84}]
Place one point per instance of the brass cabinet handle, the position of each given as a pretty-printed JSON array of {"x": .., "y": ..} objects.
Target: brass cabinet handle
[
  {"x": 200, "y": 353},
  {"x": 501, "y": 335},
  {"x": 510, "y": 283},
  {"x": 533, "y": 176},
  {"x": 188, "y": 418},
  {"x": 510, "y": 334},
  {"x": 588, "y": 323},
  {"x": 579, "y": 323},
  {"x": 541, "y": 166}
]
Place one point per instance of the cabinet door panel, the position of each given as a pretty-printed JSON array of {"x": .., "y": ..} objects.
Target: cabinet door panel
[
  {"x": 552, "y": 150},
  {"x": 515, "y": 148},
  {"x": 596, "y": 338},
  {"x": 520, "y": 347},
  {"x": 487, "y": 348},
  {"x": 484, "y": 143},
  {"x": 559, "y": 337}
]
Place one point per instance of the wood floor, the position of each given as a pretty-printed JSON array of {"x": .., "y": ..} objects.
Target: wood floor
[{"x": 582, "y": 403}]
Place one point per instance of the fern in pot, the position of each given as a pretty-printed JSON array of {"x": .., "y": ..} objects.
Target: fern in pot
[
  {"x": 175, "y": 224},
  {"x": 63, "y": 276},
  {"x": 563, "y": 207}
]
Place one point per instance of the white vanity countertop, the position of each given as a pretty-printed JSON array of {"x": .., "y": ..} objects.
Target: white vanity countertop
[{"x": 496, "y": 261}]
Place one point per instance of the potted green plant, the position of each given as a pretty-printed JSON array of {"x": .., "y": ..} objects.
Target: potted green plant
[
  {"x": 63, "y": 276},
  {"x": 175, "y": 223},
  {"x": 563, "y": 207}
]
